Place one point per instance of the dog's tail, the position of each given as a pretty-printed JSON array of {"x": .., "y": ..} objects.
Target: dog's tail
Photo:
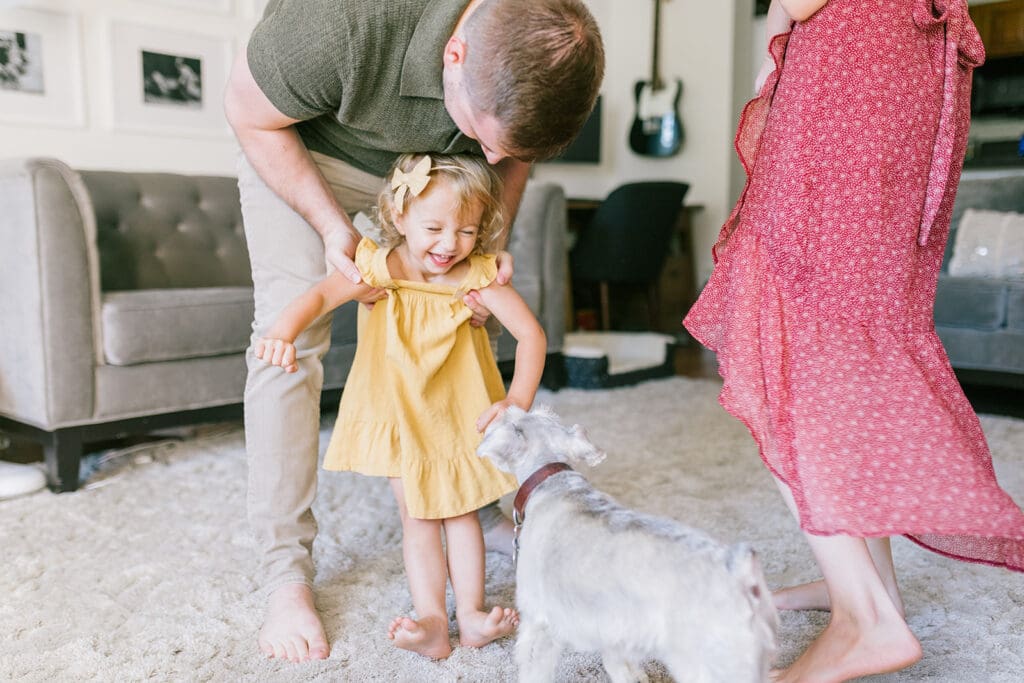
[{"x": 744, "y": 564}]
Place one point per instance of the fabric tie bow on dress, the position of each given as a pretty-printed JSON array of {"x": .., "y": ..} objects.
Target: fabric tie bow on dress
[
  {"x": 412, "y": 182},
  {"x": 961, "y": 48}
]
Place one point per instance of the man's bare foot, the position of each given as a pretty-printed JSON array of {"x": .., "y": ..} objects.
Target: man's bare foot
[
  {"x": 428, "y": 636},
  {"x": 477, "y": 628},
  {"x": 499, "y": 536},
  {"x": 844, "y": 651},
  {"x": 812, "y": 595},
  {"x": 291, "y": 627}
]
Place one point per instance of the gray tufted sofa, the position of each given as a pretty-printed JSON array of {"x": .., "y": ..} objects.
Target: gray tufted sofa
[
  {"x": 126, "y": 302},
  {"x": 981, "y": 320}
]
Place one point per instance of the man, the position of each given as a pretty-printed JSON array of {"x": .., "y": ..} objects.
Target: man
[{"x": 326, "y": 95}]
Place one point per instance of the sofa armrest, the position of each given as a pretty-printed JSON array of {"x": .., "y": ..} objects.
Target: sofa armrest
[
  {"x": 50, "y": 295},
  {"x": 537, "y": 245}
]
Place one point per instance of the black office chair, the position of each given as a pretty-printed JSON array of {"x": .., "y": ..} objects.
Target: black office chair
[{"x": 627, "y": 240}]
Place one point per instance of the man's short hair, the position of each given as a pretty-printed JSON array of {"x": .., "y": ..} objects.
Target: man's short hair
[{"x": 536, "y": 66}]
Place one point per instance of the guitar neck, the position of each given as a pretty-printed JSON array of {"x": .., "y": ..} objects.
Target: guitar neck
[{"x": 656, "y": 82}]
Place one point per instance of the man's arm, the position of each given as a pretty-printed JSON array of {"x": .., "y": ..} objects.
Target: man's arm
[
  {"x": 514, "y": 175},
  {"x": 802, "y": 10},
  {"x": 273, "y": 146}
]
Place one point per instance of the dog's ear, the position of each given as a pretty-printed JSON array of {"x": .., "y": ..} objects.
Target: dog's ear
[{"x": 580, "y": 448}]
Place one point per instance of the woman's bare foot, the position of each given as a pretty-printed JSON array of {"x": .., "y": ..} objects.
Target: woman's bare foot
[
  {"x": 812, "y": 595},
  {"x": 428, "y": 636},
  {"x": 477, "y": 628},
  {"x": 846, "y": 650},
  {"x": 291, "y": 628}
]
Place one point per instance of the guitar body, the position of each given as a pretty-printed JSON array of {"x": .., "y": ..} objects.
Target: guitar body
[{"x": 657, "y": 129}]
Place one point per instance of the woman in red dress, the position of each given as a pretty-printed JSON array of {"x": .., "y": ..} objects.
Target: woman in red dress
[{"x": 820, "y": 310}]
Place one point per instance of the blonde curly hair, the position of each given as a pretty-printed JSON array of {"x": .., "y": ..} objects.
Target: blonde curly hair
[{"x": 472, "y": 179}]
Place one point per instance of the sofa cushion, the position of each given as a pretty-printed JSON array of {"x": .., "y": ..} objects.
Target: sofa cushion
[
  {"x": 169, "y": 324},
  {"x": 978, "y": 303},
  {"x": 989, "y": 244},
  {"x": 1015, "y": 305}
]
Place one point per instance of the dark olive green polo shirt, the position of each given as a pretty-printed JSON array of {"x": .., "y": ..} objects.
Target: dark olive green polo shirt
[{"x": 364, "y": 76}]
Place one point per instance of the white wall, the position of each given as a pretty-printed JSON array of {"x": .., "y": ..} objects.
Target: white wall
[
  {"x": 698, "y": 44},
  {"x": 705, "y": 44}
]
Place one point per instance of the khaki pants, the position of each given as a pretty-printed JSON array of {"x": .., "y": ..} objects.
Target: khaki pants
[{"x": 282, "y": 410}]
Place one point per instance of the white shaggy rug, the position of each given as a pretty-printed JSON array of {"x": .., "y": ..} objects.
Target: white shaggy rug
[{"x": 151, "y": 577}]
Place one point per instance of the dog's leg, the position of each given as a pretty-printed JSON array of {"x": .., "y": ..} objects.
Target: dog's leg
[
  {"x": 621, "y": 670},
  {"x": 536, "y": 653}
]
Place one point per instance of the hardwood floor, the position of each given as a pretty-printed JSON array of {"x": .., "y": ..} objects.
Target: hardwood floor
[{"x": 693, "y": 360}]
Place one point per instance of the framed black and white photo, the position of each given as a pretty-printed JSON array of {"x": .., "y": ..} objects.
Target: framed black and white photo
[
  {"x": 40, "y": 70},
  {"x": 168, "y": 82}
]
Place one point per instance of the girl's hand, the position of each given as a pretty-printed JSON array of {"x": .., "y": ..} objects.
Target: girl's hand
[
  {"x": 276, "y": 352},
  {"x": 491, "y": 413}
]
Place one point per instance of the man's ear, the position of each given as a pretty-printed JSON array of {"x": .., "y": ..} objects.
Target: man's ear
[{"x": 455, "y": 51}]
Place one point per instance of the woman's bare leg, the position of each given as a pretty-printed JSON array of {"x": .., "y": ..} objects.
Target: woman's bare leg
[
  {"x": 814, "y": 595},
  {"x": 427, "y": 575},
  {"x": 465, "y": 547},
  {"x": 866, "y": 633}
]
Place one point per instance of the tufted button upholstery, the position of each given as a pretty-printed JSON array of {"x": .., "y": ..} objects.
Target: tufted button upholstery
[{"x": 167, "y": 231}]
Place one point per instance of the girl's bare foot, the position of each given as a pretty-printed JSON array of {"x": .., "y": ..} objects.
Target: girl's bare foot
[
  {"x": 846, "y": 650},
  {"x": 477, "y": 628},
  {"x": 291, "y": 628},
  {"x": 812, "y": 595},
  {"x": 428, "y": 636}
]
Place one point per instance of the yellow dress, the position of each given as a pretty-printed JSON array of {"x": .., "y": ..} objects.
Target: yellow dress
[{"x": 420, "y": 378}]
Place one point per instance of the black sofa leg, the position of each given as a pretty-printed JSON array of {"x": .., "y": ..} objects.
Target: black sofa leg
[{"x": 63, "y": 452}]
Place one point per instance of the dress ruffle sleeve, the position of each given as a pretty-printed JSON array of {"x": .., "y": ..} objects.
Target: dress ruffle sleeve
[
  {"x": 372, "y": 262},
  {"x": 483, "y": 269}
]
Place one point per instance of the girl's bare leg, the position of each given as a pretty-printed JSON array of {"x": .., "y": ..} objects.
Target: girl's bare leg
[
  {"x": 427, "y": 576},
  {"x": 866, "y": 633},
  {"x": 465, "y": 545}
]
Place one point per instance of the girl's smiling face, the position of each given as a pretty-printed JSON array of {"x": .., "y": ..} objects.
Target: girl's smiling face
[{"x": 437, "y": 234}]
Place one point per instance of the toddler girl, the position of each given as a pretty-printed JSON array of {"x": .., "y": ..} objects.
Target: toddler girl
[{"x": 423, "y": 377}]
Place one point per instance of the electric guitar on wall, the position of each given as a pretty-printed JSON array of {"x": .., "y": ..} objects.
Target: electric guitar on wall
[{"x": 657, "y": 130}]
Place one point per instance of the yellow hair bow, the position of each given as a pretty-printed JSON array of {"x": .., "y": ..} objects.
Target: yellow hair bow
[{"x": 412, "y": 182}]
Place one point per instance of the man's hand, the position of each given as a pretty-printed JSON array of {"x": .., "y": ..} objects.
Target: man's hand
[
  {"x": 504, "y": 261},
  {"x": 276, "y": 352},
  {"x": 472, "y": 299},
  {"x": 372, "y": 297},
  {"x": 340, "y": 248}
]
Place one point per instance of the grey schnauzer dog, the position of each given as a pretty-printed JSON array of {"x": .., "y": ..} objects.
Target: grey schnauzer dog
[{"x": 594, "y": 576}]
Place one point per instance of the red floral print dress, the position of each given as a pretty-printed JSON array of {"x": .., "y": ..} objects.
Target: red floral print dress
[{"x": 820, "y": 303}]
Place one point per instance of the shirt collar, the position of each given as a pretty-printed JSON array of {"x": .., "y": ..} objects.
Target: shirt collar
[{"x": 423, "y": 67}]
